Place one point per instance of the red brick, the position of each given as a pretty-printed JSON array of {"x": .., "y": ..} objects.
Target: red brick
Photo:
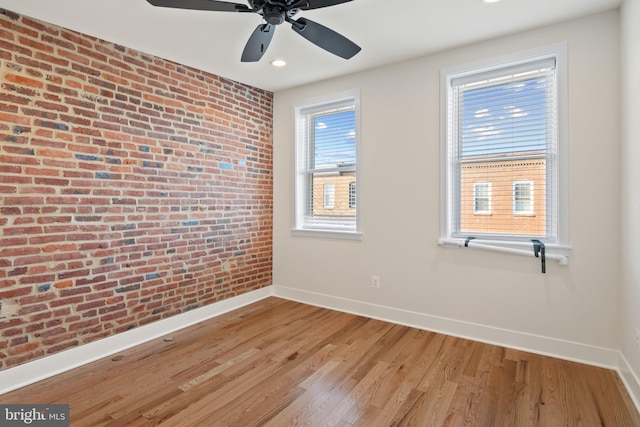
[
  {"x": 18, "y": 251},
  {"x": 51, "y": 59},
  {"x": 87, "y": 324},
  {"x": 46, "y": 152},
  {"x": 48, "y": 37},
  {"x": 66, "y": 301},
  {"x": 34, "y": 308},
  {"x": 23, "y": 348},
  {"x": 25, "y": 41},
  {"x": 24, "y": 81},
  {"x": 19, "y": 160},
  {"x": 60, "y": 247},
  {"x": 77, "y": 39},
  {"x": 21, "y": 201},
  {"x": 17, "y": 119},
  {"x": 8, "y": 190},
  {"x": 33, "y": 259},
  {"x": 16, "y": 292},
  {"x": 60, "y": 347},
  {"x": 34, "y": 63},
  {"x": 63, "y": 284}
]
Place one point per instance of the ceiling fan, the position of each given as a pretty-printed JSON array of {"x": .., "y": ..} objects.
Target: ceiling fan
[{"x": 274, "y": 13}]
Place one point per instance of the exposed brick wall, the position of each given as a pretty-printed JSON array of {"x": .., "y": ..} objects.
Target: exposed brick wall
[{"x": 131, "y": 189}]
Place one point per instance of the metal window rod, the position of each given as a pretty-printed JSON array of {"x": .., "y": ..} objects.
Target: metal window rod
[{"x": 491, "y": 246}]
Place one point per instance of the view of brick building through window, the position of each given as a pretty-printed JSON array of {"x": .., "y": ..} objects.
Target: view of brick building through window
[
  {"x": 334, "y": 194},
  {"x": 503, "y": 196}
]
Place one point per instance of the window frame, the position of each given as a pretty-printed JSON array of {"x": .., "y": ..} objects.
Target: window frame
[
  {"x": 559, "y": 241},
  {"x": 301, "y": 186}
]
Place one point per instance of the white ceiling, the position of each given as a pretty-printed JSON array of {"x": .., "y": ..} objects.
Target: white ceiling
[{"x": 387, "y": 31}]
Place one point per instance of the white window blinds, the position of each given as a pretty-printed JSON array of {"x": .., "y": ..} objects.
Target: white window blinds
[
  {"x": 326, "y": 164},
  {"x": 502, "y": 136}
]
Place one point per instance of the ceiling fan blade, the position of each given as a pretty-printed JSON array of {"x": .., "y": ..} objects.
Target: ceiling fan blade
[
  {"x": 317, "y": 4},
  {"x": 214, "y": 5},
  {"x": 258, "y": 43},
  {"x": 325, "y": 38}
]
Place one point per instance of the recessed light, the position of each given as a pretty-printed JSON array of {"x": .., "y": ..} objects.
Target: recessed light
[
  {"x": 490, "y": 1},
  {"x": 278, "y": 63}
]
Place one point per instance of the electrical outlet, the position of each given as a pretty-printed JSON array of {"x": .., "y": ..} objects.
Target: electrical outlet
[{"x": 375, "y": 282}]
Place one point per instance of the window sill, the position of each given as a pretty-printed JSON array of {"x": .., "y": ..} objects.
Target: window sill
[{"x": 327, "y": 234}]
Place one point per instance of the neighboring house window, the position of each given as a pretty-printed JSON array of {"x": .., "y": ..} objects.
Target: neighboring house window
[
  {"x": 523, "y": 197},
  {"x": 352, "y": 195},
  {"x": 327, "y": 151},
  {"x": 329, "y": 196},
  {"x": 502, "y": 139},
  {"x": 482, "y": 198}
]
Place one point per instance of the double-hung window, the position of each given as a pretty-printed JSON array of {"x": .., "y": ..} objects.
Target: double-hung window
[
  {"x": 352, "y": 194},
  {"x": 329, "y": 196},
  {"x": 482, "y": 198},
  {"x": 327, "y": 152},
  {"x": 503, "y": 138},
  {"x": 523, "y": 198}
]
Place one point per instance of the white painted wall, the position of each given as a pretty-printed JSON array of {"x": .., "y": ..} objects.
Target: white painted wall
[
  {"x": 630, "y": 302},
  {"x": 399, "y": 190}
]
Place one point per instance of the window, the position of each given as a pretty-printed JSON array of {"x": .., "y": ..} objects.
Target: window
[
  {"x": 326, "y": 168},
  {"x": 503, "y": 138},
  {"x": 329, "y": 196},
  {"x": 482, "y": 198},
  {"x": 352, "y": 194},
  {"x": 523, "y": 198}
]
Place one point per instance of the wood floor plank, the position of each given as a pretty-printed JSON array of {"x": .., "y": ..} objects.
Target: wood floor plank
[{"x": 282, "y": 363}]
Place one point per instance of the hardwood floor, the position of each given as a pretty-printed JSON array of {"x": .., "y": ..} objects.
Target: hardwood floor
[{"x": 281, "y": 363}]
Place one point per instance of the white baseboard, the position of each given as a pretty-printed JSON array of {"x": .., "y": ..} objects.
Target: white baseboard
[
  {"x": 576, "y": 352},
  {"x": 39, "y": 369},
  {"x": 630, "y": 380}
]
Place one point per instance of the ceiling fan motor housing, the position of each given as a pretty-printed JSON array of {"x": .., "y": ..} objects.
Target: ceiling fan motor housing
[{"x": 274, "y": 15}]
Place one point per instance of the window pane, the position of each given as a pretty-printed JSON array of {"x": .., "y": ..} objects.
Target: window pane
[
  {"x": 329, "y": 196},
  {"x": 352, "y": 194},
  {"x": 502, "y": 143},
  {"x": 523, "y": 197},
  {"x": 482, "y": 198},
  {"x": 334, "y": 139}
]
